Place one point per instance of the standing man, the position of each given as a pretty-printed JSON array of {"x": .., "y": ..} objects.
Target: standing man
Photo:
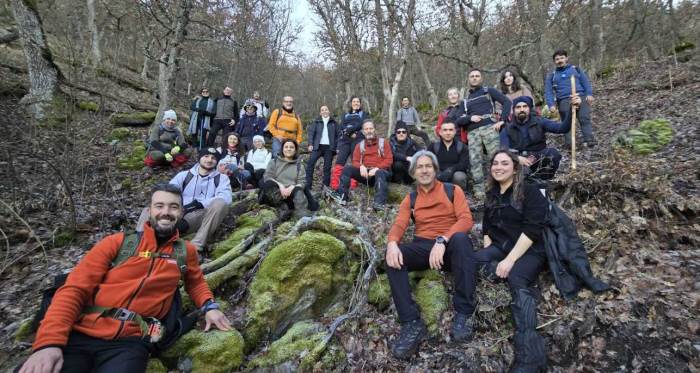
[
  {"x": 452, "y": 155},
  {"x": 481, "y": 128},
  {"x": 442, "y": 219},
  {"x": 75, "y": 336},
  {"x": 557, "y": 93},
  {"x": 226, "y": 109},
  {"x": 402, "y": 149},
  {"x": 409, "y": 115},
  {"x": 284, "y": 123},
  {"x": 371, "y": 165},
  {"x": 200, "y": 120},
  {"x": 323, "y": 134},
  {"x": 206, "y": 198}
]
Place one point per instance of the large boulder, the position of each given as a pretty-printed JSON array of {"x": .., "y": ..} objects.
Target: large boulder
[
  {"x": 298, "y": 280},
  {"x": 214, "y": 351},
  {"x": 246, "y": 225},
  {"x": 432, "y": 299},
  {"x": 299, "y": 341}
]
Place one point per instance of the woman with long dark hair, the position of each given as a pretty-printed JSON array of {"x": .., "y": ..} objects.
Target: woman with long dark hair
[
  {"x": 350, "y": 129},
  {"x": 231, "y": 162},
  {"x": 512, "y": 87},
  {"x": 514, "y": 251}
]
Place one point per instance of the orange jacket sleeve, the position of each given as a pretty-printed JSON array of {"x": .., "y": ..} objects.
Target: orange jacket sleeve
[
  {"x": 403, "y": 218},
  {"x": 356, "y": 156},
  {"x": 300, "y": 128},
  {"x": 69, "y": 300},
  {"x": 195, "y": 285},
  {"x": 464, "y": 215},
  {"x": 271, "y": 123}
]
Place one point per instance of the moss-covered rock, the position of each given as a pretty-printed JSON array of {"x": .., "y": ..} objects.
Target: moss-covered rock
[
  {"x": 246, "y": 225},
  {"x": 213, "y": 351},
  {"x": 379, "y": 292},
  {"x": 397, "y": 192},
  {"x": 298, "y": 280},
  {"x": 650, "y": 136},
  {"x": 156, "y": 366},
  {"x": 120, "y": 134},
  {"x": 134, "y": 159},
  {"x": 89, "y": 106},
  {"x": 25, "y": 330},
  {"x": 141, "y": 118},
  {"x": 432, "y": 299},
  {"x": 298, "y": 342}
]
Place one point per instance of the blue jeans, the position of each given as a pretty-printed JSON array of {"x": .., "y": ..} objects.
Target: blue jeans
[{"x": 276, "y": 147}]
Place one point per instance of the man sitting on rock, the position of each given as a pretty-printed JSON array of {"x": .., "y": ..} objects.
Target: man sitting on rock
[
  {"x": 526, "y": 135},
  {"x": 105, "y": 317},
  {"x": 206, "y": 195},
  {"x": 402, "y": 148},
  {"x": 452, "y": 155},
  {"x": 442, "y": 219},
  {"x": 371, "y": 165},
  {"x": 167, "y": 146}
]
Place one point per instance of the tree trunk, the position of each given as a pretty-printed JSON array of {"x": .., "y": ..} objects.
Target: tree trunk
[
  {"x": 43, "y": 73},
  {"x": 94, "y": 34},
  {"x": 168, "y": 63},
  {"x": 426, "y": 79},
  {"x": 598, "y": 36}
]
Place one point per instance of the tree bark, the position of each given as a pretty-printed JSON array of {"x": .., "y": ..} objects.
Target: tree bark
[
  {"x": 94, "y": 34},
  {"x": 169, "y": 60},
  {"x": 43, "y": 73},
  {"x": 426, "y": 79}
]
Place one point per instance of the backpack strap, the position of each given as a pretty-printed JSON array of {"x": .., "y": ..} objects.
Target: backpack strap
[
  {"x": 436, "y": 147},
  {"x": 279, "y": 114},
  {"x": 380, "y": 148},
  {"x": 128, "y": 248},
  {"x": 450, "y": 191},
  {"x": 187, "y": 180},
  {"x": 412, "y": 197},
  {"x": 217, "y": 179},
  {"x": 362, "y": 151},
  {"x": 460, "y": 146},
  {"x": 180, "y": 252}
]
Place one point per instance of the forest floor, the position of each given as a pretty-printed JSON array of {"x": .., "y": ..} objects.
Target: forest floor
[{"x": 638, "y": 216}]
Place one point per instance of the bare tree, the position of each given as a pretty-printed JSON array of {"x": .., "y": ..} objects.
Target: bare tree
[{"x": 94, "y": 34}]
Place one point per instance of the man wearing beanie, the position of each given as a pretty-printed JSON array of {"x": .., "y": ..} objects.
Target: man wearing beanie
[
  {"x": 403, "y": 147},
  {"x": 166, "y": 144},
  {"x": 206, "y": 196},
  {"x": 525, "y": 134}
]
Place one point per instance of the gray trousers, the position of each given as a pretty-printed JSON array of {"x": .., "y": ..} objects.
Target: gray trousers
[
  {"x": 205, "y": 221},
  {"x": 583, "y": 119}
]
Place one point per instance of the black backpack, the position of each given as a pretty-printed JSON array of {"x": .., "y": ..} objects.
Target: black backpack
[{"x": 449, "y": 190}]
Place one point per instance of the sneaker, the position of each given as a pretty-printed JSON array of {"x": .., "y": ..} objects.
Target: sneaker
[
  {"x": 462, "y": 328},
  {"x": 591, "y": 144},
  {"x": 411, "y": 335},
  {"x": 338, "y": 198}
]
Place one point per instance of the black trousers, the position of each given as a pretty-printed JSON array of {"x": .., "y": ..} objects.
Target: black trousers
[
  {"x": 380, "y": 181},
  {"x": 88, "y": 354},
  {"x": 216, "y": 126},
  {"x": 256, "y": 176},
  {"x": 345, "y": 149},
  {"x": 327, "y": 154},
  {"x": 458, "y": 259},
  {"x": 399, "y": 172},
  {"x": 524, "y": 272},
  {"x": 546, "y": 165}
]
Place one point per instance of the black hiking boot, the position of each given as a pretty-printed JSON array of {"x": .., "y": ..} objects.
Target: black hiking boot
[
  {"x": 378, "y": 207},
  {"x": 410, "y": 338},
  {"x": 530, "y": 355},
  {"x": 340, "y": 199},
  {"x": 462, "y": 328},
  {"x": 582, "y": 269}
]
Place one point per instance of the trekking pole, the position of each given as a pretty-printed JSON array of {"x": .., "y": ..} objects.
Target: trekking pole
[{"x": 573, "y": 124}]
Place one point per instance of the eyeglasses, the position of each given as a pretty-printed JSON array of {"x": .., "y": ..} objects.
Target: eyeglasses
[{"x": 401, "y": 132}]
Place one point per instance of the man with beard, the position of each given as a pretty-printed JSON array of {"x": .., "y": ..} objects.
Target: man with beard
[
  {"x": 206, "y": 196},
  {"x": 442, "y": 219},
  {"x": 525, "y": 135},
  {"x": 131, "y": 296}
]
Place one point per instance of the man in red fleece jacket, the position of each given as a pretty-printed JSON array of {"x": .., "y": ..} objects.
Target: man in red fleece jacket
[
  {"x": 371, "y": 165},
  {"x": 73, "y": 339}
]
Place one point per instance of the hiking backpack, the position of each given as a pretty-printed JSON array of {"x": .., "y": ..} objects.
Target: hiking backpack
[
  {"x": 380, "y": 148},
  {"x": 190, "y": 176},
  {"x": 449, "y": 190}
]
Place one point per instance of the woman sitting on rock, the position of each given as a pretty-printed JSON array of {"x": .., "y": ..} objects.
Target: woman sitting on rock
[
  {"x": 256, "y": 160},
  {"x": 514, "y": 250},
  {"x": 231, "y": 162},
  {"x": 285, "y": 182}
]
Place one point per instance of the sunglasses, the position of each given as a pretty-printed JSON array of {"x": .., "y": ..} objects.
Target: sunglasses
[{"x": 401, "y": 132}]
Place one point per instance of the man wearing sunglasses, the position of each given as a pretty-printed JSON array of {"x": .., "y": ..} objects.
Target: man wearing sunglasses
[{"x": 403, "y": 147}]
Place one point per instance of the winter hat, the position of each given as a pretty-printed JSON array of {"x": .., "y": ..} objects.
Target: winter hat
[
  {"x": 210, "y": 150},
  {"x": 249, "y": 103},
  {"x": 169, "y": 114},
  {"x": 526, "y": 99},
  {"x": 400, "y": 125},
  {"x": 258, "y": 137}
]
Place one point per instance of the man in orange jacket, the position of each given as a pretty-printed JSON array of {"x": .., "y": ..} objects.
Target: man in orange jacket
[
  {"x": 284, "y": 123},
  {"x": 71, "y": 338},
  {"x": 371, "y": 165}
]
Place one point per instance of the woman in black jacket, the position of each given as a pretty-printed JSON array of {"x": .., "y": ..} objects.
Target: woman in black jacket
[
  {"x": 514, "y": 250},
  {"x": 322, "y": 139}
]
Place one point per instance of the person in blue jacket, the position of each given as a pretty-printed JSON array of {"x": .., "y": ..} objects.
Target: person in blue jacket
[
  {"x": 525, "y": 135},
  {"x": 350, "y": 130},
  {"x": 557, "y": 94}
]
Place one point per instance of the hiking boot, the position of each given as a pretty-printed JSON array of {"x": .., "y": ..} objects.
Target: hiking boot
[
  {"x": 411, "y": 335},
  {"x": 591, "y": 143},
  {"x": 462, "y": 328},
  {"x": 377, "y": 207},
  {"x": 340, "y": 199}
]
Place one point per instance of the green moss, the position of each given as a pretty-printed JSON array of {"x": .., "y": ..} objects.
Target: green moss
[
  {"x": 379, "y": 292},
  {"x": 156, "y": 366},
  {"x": 295, "y": 279},
  {"x": 213, "y": 351},
  {"x": 63, "y": 237},
  {"x": 432, "y": 299},
  {"x": 424, "y": 107},
  {"x": 120, "y": 134},
  {"x": 649, "y": 136},
  {"x": 134, "y": 159},
  {"x": 397, "y": 192},
  {"x": 133, "y": 119},
  {"x": 683, "y": 46},
  {"x": 89, "y": 106},
  {"x": 24, "y": 331},
  {"x": 299, "y": 340},
  {"x": 246, "y": 225}
]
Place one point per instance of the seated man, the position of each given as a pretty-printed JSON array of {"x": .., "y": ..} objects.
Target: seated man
[
  {"x": 442, "y": 219},
  {"x": 525, "y": 134},
  {"x": 206, "y": 195},
  {"x": 371, "y": 165},
  {"x": 167, "y": 146},
  {"x": 85, "y": 329},
  {"x": 402, "y": 148},
  {"x": 452, "y": 155}
]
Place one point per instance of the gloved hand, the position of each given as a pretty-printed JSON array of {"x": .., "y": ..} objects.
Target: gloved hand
[
  {"x": 168, "y": 157},
  {"x": 176, "y": 150},
  {"x": 192, "y": 206}
]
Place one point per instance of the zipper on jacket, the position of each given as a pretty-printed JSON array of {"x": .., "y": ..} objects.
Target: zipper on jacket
[{"x": 133, "y": 296}]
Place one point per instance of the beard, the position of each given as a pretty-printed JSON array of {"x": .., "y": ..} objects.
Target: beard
[
  {"x": 163, "y": 232},
  {"x": 522, "y": 116}
]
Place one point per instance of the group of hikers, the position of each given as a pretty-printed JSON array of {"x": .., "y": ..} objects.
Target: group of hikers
[{"x": 108, "y": 314}]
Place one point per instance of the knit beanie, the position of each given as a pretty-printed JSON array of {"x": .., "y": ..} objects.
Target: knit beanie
[
  {"x": 169, "y": 114},
  {"x": 258, "y": 137},
  {"x": 526, "y": 99},
  {"x": 206, "y": 151},
  {"x": 400, "y": 125}
]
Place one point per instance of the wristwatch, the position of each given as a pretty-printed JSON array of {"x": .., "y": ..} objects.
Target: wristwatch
[
  {"x": 441, "y": 240},
  {"x": 210, "y": 305}
]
